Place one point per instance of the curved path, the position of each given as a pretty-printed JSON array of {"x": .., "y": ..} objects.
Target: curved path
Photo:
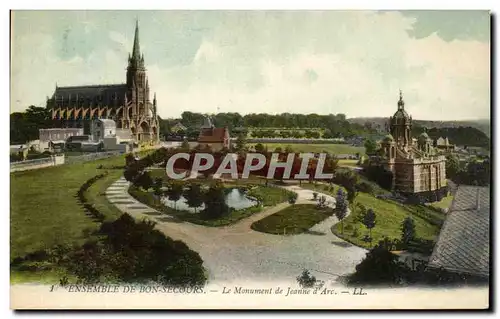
[{"x": 236, "y": 252}]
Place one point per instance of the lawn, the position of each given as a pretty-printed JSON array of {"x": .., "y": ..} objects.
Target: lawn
[
  {"x": 348, "y": 163},
  {"x": 292, "y": 220},
  {"x": 317, "y": 148},
  {"x": 44, "y": 207},
  {"x": 445, "y": 203},
  {"x": 269, "y": 196},
  {"x": 390, "y": 215}
]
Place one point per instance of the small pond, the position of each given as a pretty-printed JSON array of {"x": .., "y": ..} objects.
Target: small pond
[{"x": 234, "y": 199}]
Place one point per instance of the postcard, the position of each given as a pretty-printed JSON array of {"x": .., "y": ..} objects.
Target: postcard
[{"x": 250, "y": 160}]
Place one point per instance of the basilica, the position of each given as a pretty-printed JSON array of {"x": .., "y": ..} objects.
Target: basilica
[
  {"x": 129, "y": 104},
  {"x": 417, "y": 169}
]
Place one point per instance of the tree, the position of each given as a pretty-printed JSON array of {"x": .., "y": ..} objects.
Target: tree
[
  {"x": 157, "y": 185},
  {"x": 241, "y": 142},
  {"x": 340, "y": 209},
  {"x": 407, "y": 230},
  {"x": 306, "y": 280},
  {"x": 288, "y": 149},
  {"x": 185, "y": 145},
  {"x": 145, "y": 181},
  {"x": 370, "y": 146},
  {"x": 259, "y": 148},
  {"x": 379, "y": 267},
  {"x": 25, "y": 126},
  {"x": 369, "y": 220},
  {"x": 452, "y": 166},
  {"x": 292, "y": 197},
  {"x": 174, "y": 192},
  {"x": 215, "y": 202},
  {"x": 194, "y": 196}
]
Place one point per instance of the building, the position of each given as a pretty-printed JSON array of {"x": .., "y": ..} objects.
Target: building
[
  {"x": 128, "y": 104},
  {"x": 104, "y": 131},
  {"x": 53, "y": 138},
  {"x": 178, "y": 127},
  {"x": 216, "y": 138},
  {"x": 463, "y": 245},
  {"x": 418, "y": 172},
  {"x": 444, "y": 144},
  {"x": 101, "y": 128}
]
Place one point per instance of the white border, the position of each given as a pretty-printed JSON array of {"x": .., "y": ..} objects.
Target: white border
[{"x": 189, "y": 4}]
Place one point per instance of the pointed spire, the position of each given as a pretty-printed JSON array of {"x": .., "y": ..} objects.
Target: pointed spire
[
  {"x": 401, "y": 103},
  {"x": 136, "y": 50}
]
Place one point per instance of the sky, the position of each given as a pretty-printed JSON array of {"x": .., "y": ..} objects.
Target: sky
[{"x": 324, "y": 62}]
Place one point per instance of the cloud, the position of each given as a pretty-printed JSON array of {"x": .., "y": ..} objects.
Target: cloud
[{"x": 273, "y": 62}]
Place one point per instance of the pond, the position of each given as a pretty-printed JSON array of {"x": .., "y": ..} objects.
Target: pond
[{"x": 234, "y": 199}]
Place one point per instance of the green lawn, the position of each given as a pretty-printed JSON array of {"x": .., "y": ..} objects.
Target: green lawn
[
  {"x": 317, "y": 148},
  {"x": 348, "y": 162},
  {"x": 390, "y": 215},
  {"x": 269, "y": 196},
  {"x": 44, "y": 207},
  {"x": 445, "y": 203},
  {"x": 294, "y": 219}
]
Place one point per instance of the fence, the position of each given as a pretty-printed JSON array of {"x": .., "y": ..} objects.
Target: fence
[
  {"x": 36, "y": 163},
  {"x": 59, "y": 160}
]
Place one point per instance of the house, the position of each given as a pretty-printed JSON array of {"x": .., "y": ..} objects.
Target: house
[
  {"x": 178, "y": 127},
  {"x": 444, "y": 144},
  {"x": 216, "y": 138}
]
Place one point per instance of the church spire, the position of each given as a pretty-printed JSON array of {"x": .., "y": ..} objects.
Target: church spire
[
  {"x": 136, "y": 50},
  {"x": 401, "y": 103}
]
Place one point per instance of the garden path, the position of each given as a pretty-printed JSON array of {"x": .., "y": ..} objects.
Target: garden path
[{"x": 236, "y": 252}]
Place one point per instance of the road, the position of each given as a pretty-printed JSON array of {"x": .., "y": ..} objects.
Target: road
[{"x": 237, "y": 252}]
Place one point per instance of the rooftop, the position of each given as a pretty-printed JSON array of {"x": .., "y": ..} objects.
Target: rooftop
[{"x": 463, "y": 245}]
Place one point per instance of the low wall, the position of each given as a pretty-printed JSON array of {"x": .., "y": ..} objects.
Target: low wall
[
  {"x": 37, "y": 163},
  {"x": 59, "y": 160}
]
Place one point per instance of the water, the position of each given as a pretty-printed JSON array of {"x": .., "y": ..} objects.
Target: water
[{"x": 234, "y": 199}]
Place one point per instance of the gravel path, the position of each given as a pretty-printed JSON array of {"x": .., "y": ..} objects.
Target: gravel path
[{"x": 236, "y": 252}]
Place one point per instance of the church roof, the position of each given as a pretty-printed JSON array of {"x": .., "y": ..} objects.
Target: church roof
[
  {"x": 401, "y": 113},
  {"x": 104, "y": 94},
  {"x": 213, "y": 135}
]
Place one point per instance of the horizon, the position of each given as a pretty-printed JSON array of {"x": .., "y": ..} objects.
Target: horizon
[{"x": 199, "y": 61}]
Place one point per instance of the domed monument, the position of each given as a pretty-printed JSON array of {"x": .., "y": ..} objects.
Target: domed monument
[{"x": 418, "y": 171}]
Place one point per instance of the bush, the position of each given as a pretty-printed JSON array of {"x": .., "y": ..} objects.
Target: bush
[
  {"x": 379, "y": 267},
  {"x": 292, "y": 198},
  {"x": 379, "y": 175},
  {"x": 306, "y": 280},
  {"x": 365, "y": 187},
  {"x": 133, "y": 252}
]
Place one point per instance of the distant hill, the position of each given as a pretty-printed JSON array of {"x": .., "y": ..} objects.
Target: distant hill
[{"x": 379, "y": 122}]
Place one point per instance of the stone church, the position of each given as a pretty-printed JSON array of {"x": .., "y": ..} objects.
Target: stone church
[
  {"x": 418, "y": 171},
  {"x": 128, "y": 104}
]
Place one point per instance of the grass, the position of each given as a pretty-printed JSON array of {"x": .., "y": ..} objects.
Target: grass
[
  {"x": 195, "y": 218},
  {"x": 390, "y": 215},
  {"x": 268, "y": 196},
  {"x": 294, "y": 219},
  {"x": 445, "y": 203},
  {"x": 45, "y": 211},
  {"x": 348, "y": 162},
  {"x": 317, "y": 148}
]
